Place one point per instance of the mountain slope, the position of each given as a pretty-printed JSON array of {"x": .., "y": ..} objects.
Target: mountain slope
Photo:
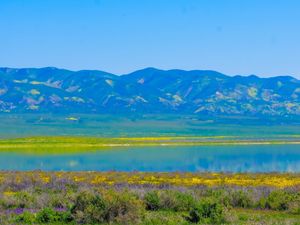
[{"x": 146, "y": 91}]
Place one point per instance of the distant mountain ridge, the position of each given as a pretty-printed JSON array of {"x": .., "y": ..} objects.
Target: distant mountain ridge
[{"x": 149, "y": 90}]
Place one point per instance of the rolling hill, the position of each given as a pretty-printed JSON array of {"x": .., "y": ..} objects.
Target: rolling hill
[{"x": 149, "y": 90}]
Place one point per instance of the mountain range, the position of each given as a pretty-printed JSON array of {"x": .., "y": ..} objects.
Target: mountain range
[{"x": 149, "y": 90}]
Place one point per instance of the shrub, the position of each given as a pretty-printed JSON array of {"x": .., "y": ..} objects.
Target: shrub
[
  {"x": 164, "y": 218},
  {"x": 89, "y": 208},
  {"x": 176, "y": 201},
  {"x": 21, "y": 199},
  {"x": 243, "y": 217},
  {"x": 220, "y": 195},
  {"x": 123, "y": 208},
  {"x": 278, "y": 200},
  {"x": 261, "y": 203},
  {"x": 208, "y": 211},
  {"x": 48, "y": 215},
  {"x": 152, "y": 200},
  {"x": 25, "y": 218},
  {"x": 24, "y": 199},
  {"x": 110, "y": 206},
  {"x": 294, "y": 207},
  {"x": 59, "y": 201},
  {"x": 169, "y": 200},
  {"x": 241, "y": 199}
]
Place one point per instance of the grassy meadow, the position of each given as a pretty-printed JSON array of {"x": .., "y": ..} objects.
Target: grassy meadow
[
  {"x": 69, "y": 145},
  {"x": 46, "y": 133},
  {"x": 28, "y": 125}
]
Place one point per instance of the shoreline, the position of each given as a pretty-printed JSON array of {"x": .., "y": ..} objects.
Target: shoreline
[
  {"x": 157, "y": 179},
  {"x": 86, "y": 143}
]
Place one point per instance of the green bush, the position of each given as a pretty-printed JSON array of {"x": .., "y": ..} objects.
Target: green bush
[
  {"x": 120, "y": 207},
  {"x": 24, "y": 199},
  {"x": 281, "y": 200},
  {"x": 21, "y": 199},
  {"x": 278, "y": 200},
  {"x": 48, "y": 215},
  {"x": 26, "y": 218},
  {"x": 89, "y": 208},
  {"x": 169, "y": 200},
  {"x": 59, "y": 201},
  {"x": 123, "y": 208},
  {"x": 152, "y": 201},
  {"x": 294, "y": 207},
  {"x": 207, "y": 211},
  {"x": 241, "y": 199},
  {"x": 164, "y": 218},
  {"x": 176, "y": 201},
  {"x": 261, "y": 203},
  {"x": 220, "y": 195}
]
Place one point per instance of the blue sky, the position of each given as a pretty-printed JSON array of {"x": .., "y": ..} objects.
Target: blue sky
[{"x": 231, "y": 36}]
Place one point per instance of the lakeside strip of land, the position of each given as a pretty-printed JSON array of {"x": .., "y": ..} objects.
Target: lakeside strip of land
[
  {"x": 44, "y": 144},
  {"x": 155, "y": 179}
]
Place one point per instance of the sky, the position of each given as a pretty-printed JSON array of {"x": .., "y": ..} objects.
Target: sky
[{"x": 119, "y": 36}]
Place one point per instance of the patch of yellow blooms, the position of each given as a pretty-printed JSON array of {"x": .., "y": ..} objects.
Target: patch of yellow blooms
[
  {"x": 141, "y": 178},
  {"x": 9, "y": 193},
  {"x": 45, "y": 179}
]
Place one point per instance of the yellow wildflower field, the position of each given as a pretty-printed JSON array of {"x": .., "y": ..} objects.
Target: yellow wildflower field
[{"x": 277, "y": 180}]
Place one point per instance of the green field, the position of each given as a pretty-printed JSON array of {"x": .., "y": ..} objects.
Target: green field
[
  {"x": 24, "y": 125},
  {"x": 81, "y": 132},
  {"x": 66, "y": 144}
]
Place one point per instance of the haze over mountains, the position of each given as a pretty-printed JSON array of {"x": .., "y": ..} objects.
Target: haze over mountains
[{"x": 146, "y": 91}]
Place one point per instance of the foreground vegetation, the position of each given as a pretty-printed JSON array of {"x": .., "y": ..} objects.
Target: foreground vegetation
[{"x": 148, "y": 198}]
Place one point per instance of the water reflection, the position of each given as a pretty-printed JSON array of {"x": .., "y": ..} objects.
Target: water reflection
[{"x": 254, "y": 158}]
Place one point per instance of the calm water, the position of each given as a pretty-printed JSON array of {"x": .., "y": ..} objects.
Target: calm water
[{"x": 268, "y": 158}]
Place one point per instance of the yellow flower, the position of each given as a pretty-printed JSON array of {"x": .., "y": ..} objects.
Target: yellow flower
[
  {"x": 9, "y": 193},
  {"x": 45, "y": 179}
]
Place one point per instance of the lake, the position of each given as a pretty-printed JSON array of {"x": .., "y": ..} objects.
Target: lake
[{"x": 251, "y": 158}]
